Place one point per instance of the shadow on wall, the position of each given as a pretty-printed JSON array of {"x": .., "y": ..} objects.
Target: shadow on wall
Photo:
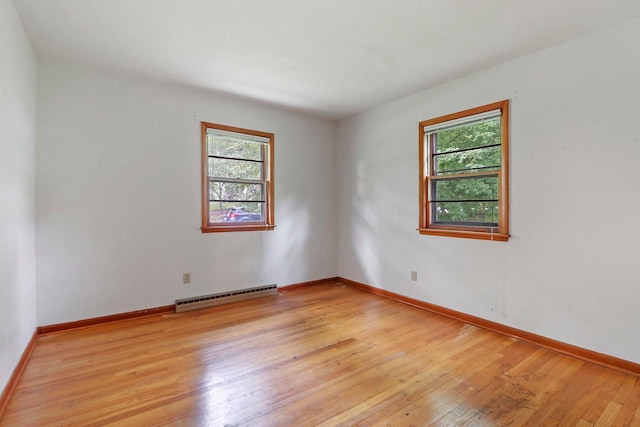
[
  {"x": 384, "y": 231},
  {"x": 286, "y": 248},
  {"x": 364, "y": 221}
]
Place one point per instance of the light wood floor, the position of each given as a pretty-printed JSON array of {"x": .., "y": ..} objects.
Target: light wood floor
[{"x": 323, "y": 355}]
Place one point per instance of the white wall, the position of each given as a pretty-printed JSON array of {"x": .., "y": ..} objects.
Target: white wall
[
  {"x": 17, "y": 190},
  {"x": 118, "y": 187},
  {"x": 571, "y": 269}
]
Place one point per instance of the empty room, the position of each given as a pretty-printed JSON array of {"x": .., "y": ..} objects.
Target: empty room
[{"x": 302, "y": 213}]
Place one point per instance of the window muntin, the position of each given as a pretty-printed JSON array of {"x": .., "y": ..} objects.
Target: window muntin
[
  {"x": 463, "y": 174},
  {"x": 237, "y": 179}
]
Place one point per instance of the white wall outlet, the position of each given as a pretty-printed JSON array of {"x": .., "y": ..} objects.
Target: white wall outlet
[
  {"x": 414, "y": 276},
  {"x": 186, "y": 278}
]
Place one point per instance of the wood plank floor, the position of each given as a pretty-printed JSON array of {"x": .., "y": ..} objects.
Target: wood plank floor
[{"x": 324, "y": 355}]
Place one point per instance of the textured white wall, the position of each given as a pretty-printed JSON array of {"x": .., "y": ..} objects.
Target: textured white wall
[
  {"x": 570, "y": 270},
  {"x": 17, "y": 190},
  {"x": 118, "y": 187}
]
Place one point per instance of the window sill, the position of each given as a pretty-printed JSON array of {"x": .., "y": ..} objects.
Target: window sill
[
  {"x": 228, "y": 228},
  {"x": 480, "y": 235}
]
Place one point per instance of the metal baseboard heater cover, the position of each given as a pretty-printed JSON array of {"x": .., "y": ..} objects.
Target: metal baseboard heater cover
[{"x": 203, "y": 301}]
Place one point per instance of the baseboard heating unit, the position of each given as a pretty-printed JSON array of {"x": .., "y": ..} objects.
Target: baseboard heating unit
[{"x": 203, "y": 301}]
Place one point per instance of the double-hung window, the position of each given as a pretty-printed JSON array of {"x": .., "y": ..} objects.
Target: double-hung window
[
  {"x": 464, "y": 174},
  {"x": 237, "y": 179}
]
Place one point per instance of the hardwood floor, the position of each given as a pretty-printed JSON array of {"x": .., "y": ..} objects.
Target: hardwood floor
[{"x": 323, "y": 355}]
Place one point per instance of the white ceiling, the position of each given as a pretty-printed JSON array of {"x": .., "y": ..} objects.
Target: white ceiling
[{"x": 328, "y": 57}]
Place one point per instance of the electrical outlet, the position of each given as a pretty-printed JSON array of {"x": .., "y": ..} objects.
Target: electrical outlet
[
  {"x": 414, "y": 276},
  {"x": 186, "y": 278}
]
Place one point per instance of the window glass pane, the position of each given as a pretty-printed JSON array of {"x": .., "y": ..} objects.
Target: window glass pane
[
  {"x": 478, "y": 134},
  {"x": 478, "y": 160},
  {"x": 236, "y": 148},
  {"x": 236, "y": 212},
  {"x": 466, "y": 213},
  {"x": 217, "y": 210},
  {"x": 234, "y": 192},
  {"x": 466, "y": 189},
  {"x": 239, "y": 169}
]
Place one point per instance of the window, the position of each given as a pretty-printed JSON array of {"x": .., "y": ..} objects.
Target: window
[
  {"x": 237, "y": 179},
  {"x": 464, "y": 188}
]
